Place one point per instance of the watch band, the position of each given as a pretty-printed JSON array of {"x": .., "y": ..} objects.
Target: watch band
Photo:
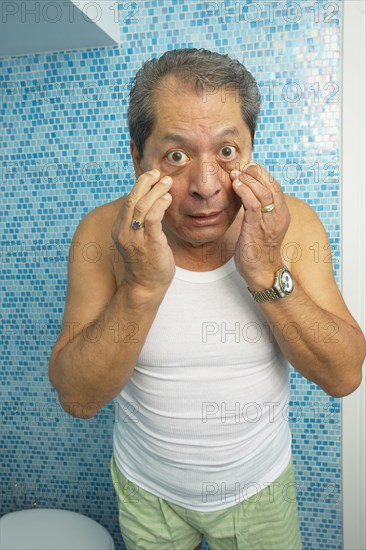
[
  {"x": 276, "y": 291},
  {"x": 265, "y": 295}
]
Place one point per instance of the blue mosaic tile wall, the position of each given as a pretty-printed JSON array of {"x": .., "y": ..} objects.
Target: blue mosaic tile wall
[{"x": 66, "y": 150}]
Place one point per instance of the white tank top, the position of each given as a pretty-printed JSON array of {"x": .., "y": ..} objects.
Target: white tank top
[{"x": 203, "y": 420}]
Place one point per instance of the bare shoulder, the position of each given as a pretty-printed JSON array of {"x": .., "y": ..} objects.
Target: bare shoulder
[
  {"x": 100, "y": 220},
  {"x": 304, "y": 232},
  {"x": 105, "y": 212},
  {"x": 298, "y": 207},
  {"x": 96, "y": 229},
  {"x": 305, "y": 222},
  {"x": 313, "y": 263},
  {"x": 308, "y": 243}
]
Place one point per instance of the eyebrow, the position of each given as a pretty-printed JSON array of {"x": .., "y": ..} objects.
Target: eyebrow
[{"x": 179, "y": 138}]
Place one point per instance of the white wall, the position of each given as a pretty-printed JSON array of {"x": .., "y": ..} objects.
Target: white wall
[{"x": 353, "y": 170}]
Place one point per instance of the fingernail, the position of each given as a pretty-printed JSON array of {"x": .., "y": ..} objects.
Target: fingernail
[
  {"x": 235, "y": 173},
  {"x": 167, "y": 180},
  {"x": 237, "y": 183},
  {"x": 154, "y": 172}
]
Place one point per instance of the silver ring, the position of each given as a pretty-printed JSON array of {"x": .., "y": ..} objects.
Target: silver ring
[
  {"x": 136, "y": 224},
  {"x": 268, "y": 208}
]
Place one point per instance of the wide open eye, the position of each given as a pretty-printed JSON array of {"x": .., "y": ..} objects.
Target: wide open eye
[
  {"x": 228, "y": 152},
  {"x": 176, "y": 157}
]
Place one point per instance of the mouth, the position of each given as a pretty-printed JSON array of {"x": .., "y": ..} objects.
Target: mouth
[
  {"x": 206, "y": 218},
  {"x": 205, "y": 214}
]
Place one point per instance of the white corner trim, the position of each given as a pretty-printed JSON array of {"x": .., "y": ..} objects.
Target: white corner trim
[{"x": 353, "y": 282}]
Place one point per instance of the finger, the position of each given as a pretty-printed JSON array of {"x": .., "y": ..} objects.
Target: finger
[
  {"x": 144, "y": 183},
  {"x": 255, "y": 172},
  {"x": 251, "y": 203},
  {"x": 260, "y": 174},
  {"x": 142, "y": 206},
  {"x": 261, "y": 192},
  {"x": 243, "y": 167},
  {"x": 153, "y": 218}
]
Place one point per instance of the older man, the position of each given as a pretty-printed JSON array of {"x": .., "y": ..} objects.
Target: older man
[{"x": 206, "y": 285}]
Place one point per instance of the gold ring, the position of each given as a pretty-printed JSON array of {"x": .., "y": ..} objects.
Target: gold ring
[
  {"x": 136, "y": 224},
  {"x": 268, "y": 208}
]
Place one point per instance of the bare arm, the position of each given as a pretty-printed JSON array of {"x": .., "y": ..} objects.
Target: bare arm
[
  {"x": 313, "y": 326},
  {"x": 105, "y": 327},
  {"x": 301, "y": 321}
]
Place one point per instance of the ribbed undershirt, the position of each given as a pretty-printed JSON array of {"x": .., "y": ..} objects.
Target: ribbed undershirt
[{"x": 203, "y": 420}]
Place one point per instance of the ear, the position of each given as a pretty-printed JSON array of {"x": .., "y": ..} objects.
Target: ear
[{"x": 137, "y": 161}]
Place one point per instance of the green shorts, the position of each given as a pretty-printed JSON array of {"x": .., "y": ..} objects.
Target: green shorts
[{"x": 265, "y": 521}]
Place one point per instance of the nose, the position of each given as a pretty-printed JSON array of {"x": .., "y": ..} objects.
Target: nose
[{"x": 206, "y": 179}]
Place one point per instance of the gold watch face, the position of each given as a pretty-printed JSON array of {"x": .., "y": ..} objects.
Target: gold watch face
[{"x": 286, "y": 281}]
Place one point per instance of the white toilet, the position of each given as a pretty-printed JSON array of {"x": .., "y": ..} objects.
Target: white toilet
[{"x": 52, "y": 529}]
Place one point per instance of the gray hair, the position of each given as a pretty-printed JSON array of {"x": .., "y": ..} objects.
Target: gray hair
[{"x": 202, "y": 69}]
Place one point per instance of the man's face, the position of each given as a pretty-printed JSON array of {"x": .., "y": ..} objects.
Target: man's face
[{"x": 197, "y": 140}]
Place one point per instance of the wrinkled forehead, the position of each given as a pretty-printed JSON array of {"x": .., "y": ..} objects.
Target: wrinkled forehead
[{"x": 181, "y": 102}]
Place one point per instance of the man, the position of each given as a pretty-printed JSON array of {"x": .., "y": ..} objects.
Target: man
[{"x": 196, "y": 257}]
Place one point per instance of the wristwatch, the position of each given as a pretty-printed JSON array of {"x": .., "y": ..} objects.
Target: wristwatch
[{"x": 282, "y": 287}]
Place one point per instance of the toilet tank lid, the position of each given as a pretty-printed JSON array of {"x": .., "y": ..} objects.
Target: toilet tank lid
[{"x": 52, "y": 529}]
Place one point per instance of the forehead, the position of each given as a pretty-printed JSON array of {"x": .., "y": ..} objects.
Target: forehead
[{"x": 178, "y": 105}]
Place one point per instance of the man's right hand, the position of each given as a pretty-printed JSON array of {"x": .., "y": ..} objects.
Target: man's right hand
[{"x": 148, "y": 258}]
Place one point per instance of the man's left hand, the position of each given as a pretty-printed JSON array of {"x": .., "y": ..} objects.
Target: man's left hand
[{"x": 258, "y": 249}]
